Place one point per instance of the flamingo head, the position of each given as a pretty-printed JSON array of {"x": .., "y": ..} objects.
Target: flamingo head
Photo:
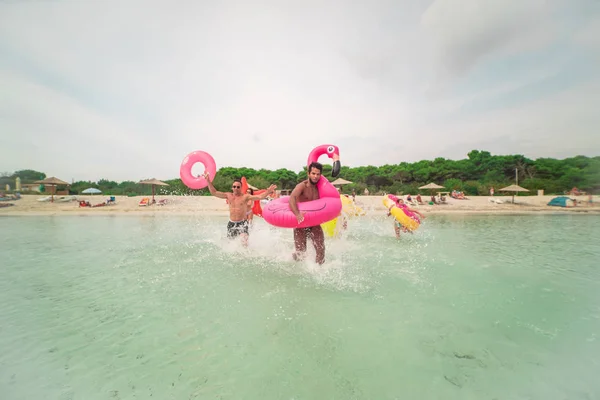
[{"x": 332, "y": 152}]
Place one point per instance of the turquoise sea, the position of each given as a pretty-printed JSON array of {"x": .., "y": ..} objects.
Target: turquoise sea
[{"x": 469, "y": 307}]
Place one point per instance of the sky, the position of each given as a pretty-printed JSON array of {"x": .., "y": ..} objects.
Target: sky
[{"x": 124, "y": 90}]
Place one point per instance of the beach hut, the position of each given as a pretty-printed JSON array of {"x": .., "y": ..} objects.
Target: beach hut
[
  {"x": 154, "y": 183},
  {"x": 515, "y": 189},
  {"x": 561, "y": 201},
  {"x": 52, "y": 181}
]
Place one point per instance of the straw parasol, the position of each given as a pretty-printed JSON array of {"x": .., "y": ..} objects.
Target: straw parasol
[
  {"x": 52, "y": 181},
  {"x": 514, "y": 189},
  {"x": 154, "y": 183},
  {"x": 432, "y": 186},
  {"x": 340, "y": 181}
]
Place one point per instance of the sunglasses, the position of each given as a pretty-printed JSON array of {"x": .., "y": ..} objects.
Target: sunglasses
[{"x": 236, "y": 187}]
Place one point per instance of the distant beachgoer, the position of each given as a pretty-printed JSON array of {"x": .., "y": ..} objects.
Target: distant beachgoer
[
  {"x": 238, "y": 207},
  {"x": 249, "y": 213},
  {"x": 492, "y": 191}
]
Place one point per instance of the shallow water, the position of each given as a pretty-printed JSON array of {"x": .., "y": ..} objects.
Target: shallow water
[{"x": 470, "y": 307}]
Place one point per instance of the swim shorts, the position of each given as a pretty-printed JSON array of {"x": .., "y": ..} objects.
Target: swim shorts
[{"x": 236, "y": 228}]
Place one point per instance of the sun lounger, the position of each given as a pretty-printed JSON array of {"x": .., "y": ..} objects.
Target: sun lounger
[{"x": 144, "y": 202}]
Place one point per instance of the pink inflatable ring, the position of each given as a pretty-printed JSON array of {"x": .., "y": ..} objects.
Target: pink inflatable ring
[{"x": 185, "y": 171}]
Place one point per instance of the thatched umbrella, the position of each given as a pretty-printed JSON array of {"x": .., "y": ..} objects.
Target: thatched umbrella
[
  {"x": 340, "y": 181},
  {"x": 432, "y": 186},
  {"x": 154, "y": 183},
  {"x": 514, "y": 189},
  {"x": 52, "y": 181}
]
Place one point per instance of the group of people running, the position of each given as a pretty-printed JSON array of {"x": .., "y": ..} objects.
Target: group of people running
[
  {"x": 240, "y": 211},
  {"x": 241, "y": 203}
]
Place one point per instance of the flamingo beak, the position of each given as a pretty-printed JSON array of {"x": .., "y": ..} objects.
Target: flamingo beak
[{"x": 335, "y": 171}]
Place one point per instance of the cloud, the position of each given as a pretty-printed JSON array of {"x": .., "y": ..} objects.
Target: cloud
[{"x": 124, "y": 90}]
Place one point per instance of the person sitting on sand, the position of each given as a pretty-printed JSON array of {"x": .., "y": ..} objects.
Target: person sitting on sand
[
  {"x": 419, "y": 199},
  {"x": 397, "y": 225},
  {"x": 238, "y": 207}
]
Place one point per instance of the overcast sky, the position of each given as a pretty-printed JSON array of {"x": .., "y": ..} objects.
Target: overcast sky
[{"x": 124, "y": 89}]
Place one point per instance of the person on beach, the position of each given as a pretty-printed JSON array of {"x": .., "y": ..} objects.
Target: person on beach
[
  {"x": 239, "y": 204},
  {"x": 307, "y": 191},
  {"x": 397, "y": 225},
  {"x": 249, "y": 213}
]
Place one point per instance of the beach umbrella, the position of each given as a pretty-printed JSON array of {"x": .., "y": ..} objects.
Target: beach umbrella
[
  {"x": 91, "y": 191},
  {"x": 52, "y": 181},
  {"x": 432, "y": 186},
  {"x": 154, "y": 183},
  {"x": 514, "y": 189},
  {"x": 340, "y": 181}
]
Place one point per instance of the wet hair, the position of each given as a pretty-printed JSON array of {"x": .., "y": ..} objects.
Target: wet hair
[
  {"x": 251, "y": 191},
  {"x": 316, "y": 165},
  {"x": 238, "y": 181}
]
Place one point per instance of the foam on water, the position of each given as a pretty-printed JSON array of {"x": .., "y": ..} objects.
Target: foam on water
[{"x": 155, "y": 307}]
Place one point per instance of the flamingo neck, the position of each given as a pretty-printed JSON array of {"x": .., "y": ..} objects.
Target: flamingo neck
[{"x": 316, "y": 153}]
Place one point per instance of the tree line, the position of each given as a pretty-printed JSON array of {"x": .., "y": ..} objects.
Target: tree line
[{"x": 473, "y": 175}]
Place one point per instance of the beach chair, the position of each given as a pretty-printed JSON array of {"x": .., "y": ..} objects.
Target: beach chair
[{"x": 144, "y": 202}]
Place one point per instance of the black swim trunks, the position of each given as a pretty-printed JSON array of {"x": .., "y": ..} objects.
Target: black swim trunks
[{"x": 236, "y": 228}]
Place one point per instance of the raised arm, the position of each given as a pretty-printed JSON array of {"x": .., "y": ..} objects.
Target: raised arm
[
  {"x": 263, "y": 195},
  {"x": 212, "y": 189}
]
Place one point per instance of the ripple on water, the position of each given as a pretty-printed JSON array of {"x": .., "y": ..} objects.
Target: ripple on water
[{"x": 467, "y": 307}]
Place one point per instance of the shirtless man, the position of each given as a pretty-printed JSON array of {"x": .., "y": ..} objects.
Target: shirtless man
[
  {"x": 238, "y": 207},
  {"x": 307, "y": 191}
]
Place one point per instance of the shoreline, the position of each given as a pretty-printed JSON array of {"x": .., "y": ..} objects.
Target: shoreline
[{"x": 28, "y": 206}]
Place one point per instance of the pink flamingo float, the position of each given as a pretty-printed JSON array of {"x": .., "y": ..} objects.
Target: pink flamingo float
[{"x": 329, "y": 205}]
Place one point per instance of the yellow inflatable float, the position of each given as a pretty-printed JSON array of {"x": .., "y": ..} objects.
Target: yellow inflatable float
[
  {"x": 349, "y": 209},
  {"x": 329, "y": 228},
  {"x": 400, "y": 215}
]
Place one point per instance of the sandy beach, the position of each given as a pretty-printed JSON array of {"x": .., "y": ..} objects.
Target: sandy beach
[{"x": 29, "y": 205}]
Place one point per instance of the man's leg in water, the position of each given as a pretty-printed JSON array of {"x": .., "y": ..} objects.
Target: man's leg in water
[
  {"x": 318, "y": 239},
  {"x": 299, "y": 243},
  {"x": 397, "y": 230}
]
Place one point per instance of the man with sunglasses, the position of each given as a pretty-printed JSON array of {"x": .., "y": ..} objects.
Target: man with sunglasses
[{"x": 238, "y": 207}]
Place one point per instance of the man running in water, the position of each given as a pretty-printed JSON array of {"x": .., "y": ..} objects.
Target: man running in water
[
  {"x": 238, "y": 207},
  {"x": 307, "y": 191}
]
